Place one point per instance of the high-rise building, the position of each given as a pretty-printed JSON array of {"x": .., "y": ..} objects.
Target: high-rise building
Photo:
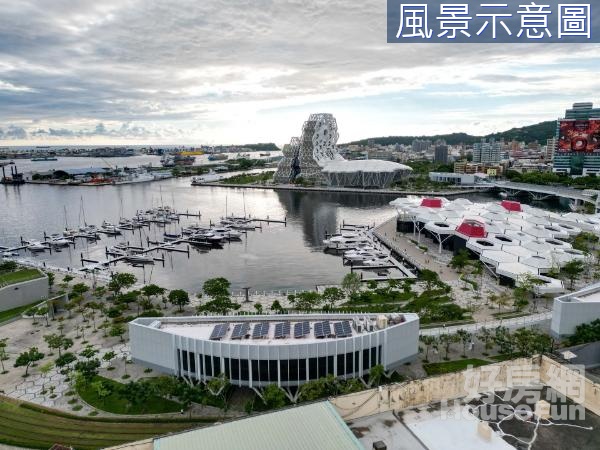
[
  {"x": 441, "y": 154},
  {"x": 550, "y": 149},
  {"x": 419, "y": 145},
  {"x": 487, "y": 152},
  {"x": 577, "y": 150}
]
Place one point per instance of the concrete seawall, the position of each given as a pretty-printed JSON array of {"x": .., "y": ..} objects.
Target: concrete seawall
[{"x": 289, "y": 187}]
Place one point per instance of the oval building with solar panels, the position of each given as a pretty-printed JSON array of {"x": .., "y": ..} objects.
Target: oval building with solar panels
[{"x": 288, "y": 350}]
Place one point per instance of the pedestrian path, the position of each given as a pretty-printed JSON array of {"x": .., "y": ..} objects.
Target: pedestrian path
[
  {"x": 516, "y": 322},
  {"x": 387, "y": 234}
]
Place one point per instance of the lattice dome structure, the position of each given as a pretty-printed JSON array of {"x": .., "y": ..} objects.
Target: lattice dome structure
[
  {"x": 288, "y": 167},
  {"x": 307, "y": 155}
]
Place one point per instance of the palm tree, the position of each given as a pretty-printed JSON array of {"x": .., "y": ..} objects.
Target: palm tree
[
  {"x": 376, "y": 374},
  {"x": 45, "y": 369},
  {"x": 464, "y": 337},
  {"x": 427, "y": 341},
  {"x": 485, "y": 335}
]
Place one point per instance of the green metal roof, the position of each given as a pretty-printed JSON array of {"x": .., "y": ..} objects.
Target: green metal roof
[{"x": 314, "y": 426}]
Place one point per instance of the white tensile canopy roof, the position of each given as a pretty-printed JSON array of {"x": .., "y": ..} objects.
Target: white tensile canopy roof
[
  {"x": 462, "y": 201},
  {"x": 516, "y": 234},
  {"x": 493, "y": 216},
  {"x": 514, "y": 270},
  {"x": 539, "y": 262},
  {"x": 495, "y": 257},
  {"x": 537, "y": 232},
  {"x": 517, "y": 250},
  {"x": 526, "y": 241},
  {"x": 503, "y": 239},
  {"x": 536, "y": 220},
  {"x": 429, "y": 216},
  {"x": 557, "y": 232},
  {"x": 450, "y": 214},
  {"x": 571, "y": 229},
  {"x": 556, "y": 244},
  {"x": 537, "y": 247},
  {"x": 478, "y": 245},
  {"x": 561, "y": 257},
  {"x": 440, "y": 227},
  {"x": 492, "y": 228}
]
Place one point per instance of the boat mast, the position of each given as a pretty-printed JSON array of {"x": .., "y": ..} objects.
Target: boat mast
[
  {"x": 244, "y": 202},
  {"x": 82, "y": 211}
]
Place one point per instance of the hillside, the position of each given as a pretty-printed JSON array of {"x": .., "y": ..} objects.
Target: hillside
[
  {"x": 263, "y": 147},
  {"x": 538, "y": 132}
]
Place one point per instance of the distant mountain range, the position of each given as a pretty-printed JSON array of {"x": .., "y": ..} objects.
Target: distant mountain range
[{"x": 538, "y": 132}]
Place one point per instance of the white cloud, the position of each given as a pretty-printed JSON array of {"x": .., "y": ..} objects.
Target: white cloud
[{"x": 222, "y": 71}]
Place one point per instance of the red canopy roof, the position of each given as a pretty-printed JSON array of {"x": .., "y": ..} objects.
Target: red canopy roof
[
  {"x": 472, "y": 229},
  {"x": 432, "y": 202},
  {"x": 511, "y": 206}
]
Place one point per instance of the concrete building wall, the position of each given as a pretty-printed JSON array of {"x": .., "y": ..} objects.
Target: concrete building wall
[
  {"x": 562, "y": 379},
  {"x": 21, "y": 294},
  {"x": 429, "y": 390},
  {"x": 568, "y": 311},
  {"x": 396, "y": 397}
]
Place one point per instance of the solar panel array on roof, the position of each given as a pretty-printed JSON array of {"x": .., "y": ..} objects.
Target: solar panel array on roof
[
  {"x": 301, "y": 329},
  {"x": 282, "y": 330},
  {"x": 240, "y": 331},
  {"x": 342, "y": 329},
  {"x": 322, "y": 329},
  {"x": 260, "y": 330},
  {"x": 218, "y": 332}
]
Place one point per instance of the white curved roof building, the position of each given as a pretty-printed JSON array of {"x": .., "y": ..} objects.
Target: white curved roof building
[
  {"x": 287, "y": 350},
  {"x": 363, "y": 173}
]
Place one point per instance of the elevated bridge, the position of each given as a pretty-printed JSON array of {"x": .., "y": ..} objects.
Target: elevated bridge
[{"x": 542, "y": 192}]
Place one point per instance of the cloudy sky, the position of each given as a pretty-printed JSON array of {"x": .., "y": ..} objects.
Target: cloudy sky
[{"x": 230, "y": 72}]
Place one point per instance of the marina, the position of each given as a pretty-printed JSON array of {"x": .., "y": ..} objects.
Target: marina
[
  {"x": 176, "y": 235},
  {"x": 284, "y": 252}
]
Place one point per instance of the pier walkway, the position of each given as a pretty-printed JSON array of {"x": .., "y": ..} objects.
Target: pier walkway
[{"x": 387, "y": 234}]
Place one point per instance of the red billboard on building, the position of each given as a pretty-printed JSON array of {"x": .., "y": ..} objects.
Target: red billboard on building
[{"x": 580, "y": 136}]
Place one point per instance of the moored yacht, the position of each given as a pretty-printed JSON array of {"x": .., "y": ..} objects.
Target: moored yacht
[{"x": 34, "y": 245}]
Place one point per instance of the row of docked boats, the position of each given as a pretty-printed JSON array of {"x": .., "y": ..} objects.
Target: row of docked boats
[
  {"x": 357, "y": 247},
  {"x": 131, "y": 255}
]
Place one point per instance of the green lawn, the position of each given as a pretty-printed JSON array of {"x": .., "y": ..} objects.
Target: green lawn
[
  {"x": 246, "y": 178},
  {"x": 10, "y": 313},
  {"x": 19, "y": 276},
  {"x": 32, "y": 426},
  {"x": 452, "y": 366},
  {"x": 114, "y": 403},
  {"x": 505, "y": 357}
]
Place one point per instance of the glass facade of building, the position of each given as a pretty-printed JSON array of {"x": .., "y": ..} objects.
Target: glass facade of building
[{"x": 577, "y": 163}]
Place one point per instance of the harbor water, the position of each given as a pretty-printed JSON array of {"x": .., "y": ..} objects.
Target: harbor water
[{"x": 278, "y": 256}]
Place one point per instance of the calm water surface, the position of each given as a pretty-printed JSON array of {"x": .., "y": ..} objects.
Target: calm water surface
[{"x": 277, "y": 257}]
